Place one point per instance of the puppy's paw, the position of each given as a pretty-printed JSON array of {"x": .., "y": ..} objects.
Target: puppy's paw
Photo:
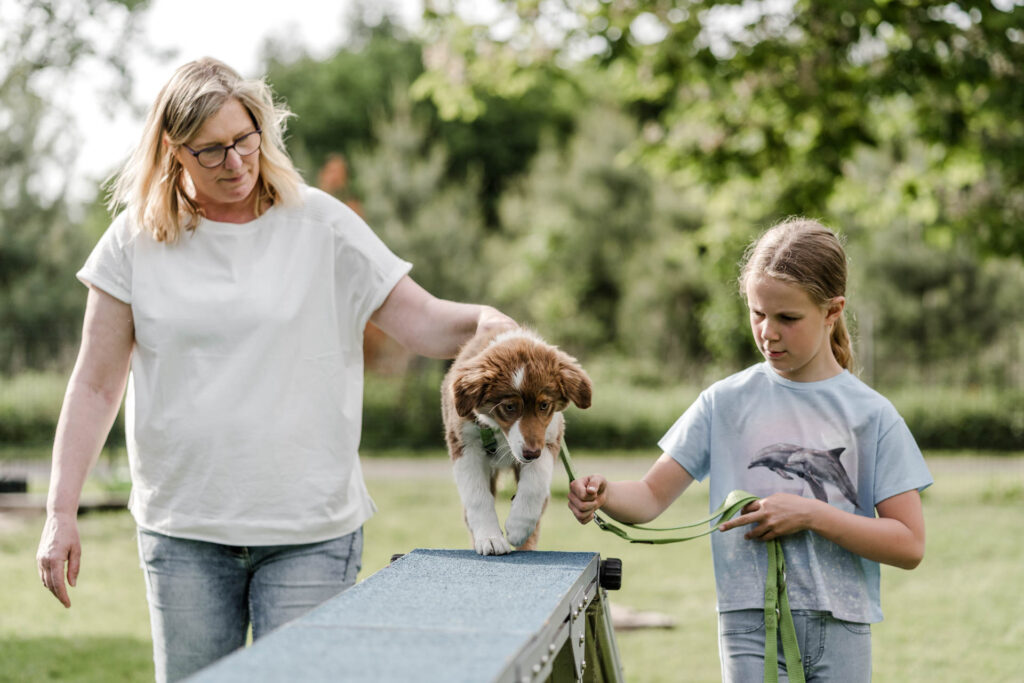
[
  {"x": 492, "y": 545},
  {"x": 519, "y": 529}
]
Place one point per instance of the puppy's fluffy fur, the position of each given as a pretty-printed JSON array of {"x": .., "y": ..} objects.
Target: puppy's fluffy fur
[{"x": 517, "y": 384}]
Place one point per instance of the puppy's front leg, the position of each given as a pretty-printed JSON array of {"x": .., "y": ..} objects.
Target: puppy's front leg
[
  {"x": 531, "y": 496},
  {"x": 473, "y": 479}
]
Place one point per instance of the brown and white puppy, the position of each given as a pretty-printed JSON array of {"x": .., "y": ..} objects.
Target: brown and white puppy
[{"x": 517, "y": 385}]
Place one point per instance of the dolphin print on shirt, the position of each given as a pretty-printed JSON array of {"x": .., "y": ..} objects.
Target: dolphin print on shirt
[{"x": 816, "y": 467}]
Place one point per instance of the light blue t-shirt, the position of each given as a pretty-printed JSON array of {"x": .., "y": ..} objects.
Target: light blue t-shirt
[{"x": 836, "y": 440}]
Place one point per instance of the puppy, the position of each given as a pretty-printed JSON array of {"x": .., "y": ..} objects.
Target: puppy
[{"x": 514, "y": 386}]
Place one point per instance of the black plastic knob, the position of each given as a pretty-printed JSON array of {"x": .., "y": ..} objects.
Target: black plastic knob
[{"x": 610, "y": 574}]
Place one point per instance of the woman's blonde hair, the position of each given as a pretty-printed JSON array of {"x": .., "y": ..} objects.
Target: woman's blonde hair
[
  {"x": 805, "y": 253},
  {"x": 151, "y": 184}
]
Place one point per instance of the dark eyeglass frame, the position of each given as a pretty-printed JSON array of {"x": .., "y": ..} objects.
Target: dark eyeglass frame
[{"x": 225, "y": 148}]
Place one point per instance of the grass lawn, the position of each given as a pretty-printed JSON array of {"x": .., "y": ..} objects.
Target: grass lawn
[{"x": 957, "y": 617}]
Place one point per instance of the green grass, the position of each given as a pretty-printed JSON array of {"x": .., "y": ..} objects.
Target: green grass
[{"x": 955, "y": 618}]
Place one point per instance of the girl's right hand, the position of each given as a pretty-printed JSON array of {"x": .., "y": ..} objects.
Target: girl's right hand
[{"x": 586, "y": 495}]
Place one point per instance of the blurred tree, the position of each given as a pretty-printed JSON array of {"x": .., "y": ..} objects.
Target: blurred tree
[
  {"x": 606, "y": 258},
  {"x": 936, "y": 316},
  {"x": 732, "y": 90},
  {"x": 401, "y": 187},
  {"x": 924, "y": 309},
  {"x": 568, "y": 228},
  {"x": 338, "y": 99},
  {"x": 436, "y": 224},
  {"x": 43, "y": 44}
]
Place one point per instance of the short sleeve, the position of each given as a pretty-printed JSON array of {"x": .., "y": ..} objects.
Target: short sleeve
[
  {"x": 899, "y": 464},
  {"x": 366, "y": 270},
  {"x": 109, "y": 266},
  {"x": 688, "y": 441}
]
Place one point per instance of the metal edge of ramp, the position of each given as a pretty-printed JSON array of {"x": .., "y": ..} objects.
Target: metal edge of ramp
[{"x": 446, "y": 615}]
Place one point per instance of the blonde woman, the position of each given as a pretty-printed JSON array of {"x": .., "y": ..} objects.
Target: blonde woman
[{"x": 231, "y": 300}]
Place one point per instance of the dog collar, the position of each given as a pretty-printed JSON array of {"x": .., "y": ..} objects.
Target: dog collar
[{"x": 489, "y": 439}]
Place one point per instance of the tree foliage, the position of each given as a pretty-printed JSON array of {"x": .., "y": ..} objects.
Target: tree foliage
[
  {"x": 339, "y": 99},
  {"x": 41, "y": 245},
  {"x": 596, "y": 169},
  {"x": 420, "y": 215},
  {"x": 785, "y": 91}
]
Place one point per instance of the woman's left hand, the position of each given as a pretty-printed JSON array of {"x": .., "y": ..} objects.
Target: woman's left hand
[
  {"x": 491, "y": 319},
  {"x": 780, "y": 514}
]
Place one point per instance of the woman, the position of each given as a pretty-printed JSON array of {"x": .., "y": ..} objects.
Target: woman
[{"x": 237, "y": 297}]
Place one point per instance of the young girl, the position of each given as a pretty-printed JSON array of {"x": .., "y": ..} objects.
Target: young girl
[{"x": 822, "y": 450}]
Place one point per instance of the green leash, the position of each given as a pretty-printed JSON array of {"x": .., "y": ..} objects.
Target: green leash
[{"x": 776, "y": 601}]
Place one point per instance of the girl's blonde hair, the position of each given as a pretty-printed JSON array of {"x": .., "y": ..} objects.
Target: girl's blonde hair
[
  {"x": 805, "y": 253},
  {"x": 151, "y": 184}
]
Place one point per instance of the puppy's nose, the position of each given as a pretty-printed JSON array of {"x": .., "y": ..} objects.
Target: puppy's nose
[{"x": 529, "y": 454}]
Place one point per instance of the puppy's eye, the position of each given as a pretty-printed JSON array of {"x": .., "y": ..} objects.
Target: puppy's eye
[
  {"x": 544, "y": 406},
  {"x": 510, "y": 408}
]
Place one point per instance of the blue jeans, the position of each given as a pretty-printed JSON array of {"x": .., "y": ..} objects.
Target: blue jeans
[
  {"x": 831, "y": 650},
  {"x": 204, "y": 596}
]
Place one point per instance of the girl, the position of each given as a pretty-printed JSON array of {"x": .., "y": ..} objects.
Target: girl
[{"x": 822, "y": 450}]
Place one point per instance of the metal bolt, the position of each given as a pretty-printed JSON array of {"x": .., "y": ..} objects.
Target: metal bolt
[
  {"x": 536, "y": 669},
  {"x": 552, "y": 648},
  {"x": 583, "y": 638}
]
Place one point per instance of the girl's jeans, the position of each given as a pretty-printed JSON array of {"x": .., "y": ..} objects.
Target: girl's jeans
[
  {"x": 204, "y": 596},
  {"x": 831, "y": 650}
]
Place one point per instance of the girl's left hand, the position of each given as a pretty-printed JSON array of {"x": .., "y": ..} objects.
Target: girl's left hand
[{"x": 779, "y": 514}]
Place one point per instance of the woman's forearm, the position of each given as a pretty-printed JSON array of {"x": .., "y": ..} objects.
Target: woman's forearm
[
  {"x": 429, "y": 326},
  {"x": 92, "y": 398},
  {"x": 85, "y": 420}
]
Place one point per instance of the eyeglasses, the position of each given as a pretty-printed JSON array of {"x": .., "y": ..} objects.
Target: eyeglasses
[{"x": 212, "y": 157}]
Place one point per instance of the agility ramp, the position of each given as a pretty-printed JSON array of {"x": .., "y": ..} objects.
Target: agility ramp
[{"x": 449, "y": 615}]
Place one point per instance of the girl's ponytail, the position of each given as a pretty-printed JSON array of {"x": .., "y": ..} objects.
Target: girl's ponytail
[{"x": 842, "y": 346}]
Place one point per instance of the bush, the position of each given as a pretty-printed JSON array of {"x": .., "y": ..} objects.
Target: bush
[
  {"x": 405, "y": 413},
  {"x": 30, "y": 405},
  {"x": 950, "y": 418}
]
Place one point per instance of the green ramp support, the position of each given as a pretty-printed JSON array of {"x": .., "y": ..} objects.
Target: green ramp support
[{"x": 449, "y": 616}]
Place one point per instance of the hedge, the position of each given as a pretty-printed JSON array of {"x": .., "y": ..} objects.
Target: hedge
[{"x": 404, "y": 413}]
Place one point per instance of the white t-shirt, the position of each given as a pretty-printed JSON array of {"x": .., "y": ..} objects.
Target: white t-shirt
[
  {"x": 836, "y": 440},
  {"x": 244, "y": 402}
]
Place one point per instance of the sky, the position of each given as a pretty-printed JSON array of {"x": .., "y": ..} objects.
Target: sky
[{"x": 233, "y": 32}]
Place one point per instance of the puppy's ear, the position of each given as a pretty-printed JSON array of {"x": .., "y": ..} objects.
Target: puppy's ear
[
  {"x": 575, "y": 383},
  {"x": 468, "y": 390}
]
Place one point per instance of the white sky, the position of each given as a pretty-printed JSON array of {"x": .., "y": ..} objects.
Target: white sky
[{"x": 233, "y": 32}]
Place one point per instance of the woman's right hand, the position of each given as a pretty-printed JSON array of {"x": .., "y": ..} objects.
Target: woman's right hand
[
  {"x": 586, "y": 495},
  {"x": 59, "y": 546}
]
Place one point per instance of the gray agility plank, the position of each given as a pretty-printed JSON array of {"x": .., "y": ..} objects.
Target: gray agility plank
[{"x": 446, "y": 615}]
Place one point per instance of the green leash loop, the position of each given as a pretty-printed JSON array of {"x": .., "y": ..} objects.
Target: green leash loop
[
  {"x": 733, "y": 503},
  {"x": 776, "y": 601}
]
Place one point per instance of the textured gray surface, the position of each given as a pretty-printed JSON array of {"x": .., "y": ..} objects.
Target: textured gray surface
[{"x": 432, "y": 615}]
